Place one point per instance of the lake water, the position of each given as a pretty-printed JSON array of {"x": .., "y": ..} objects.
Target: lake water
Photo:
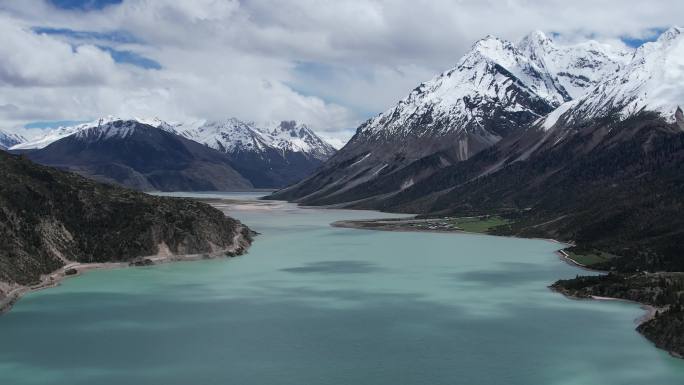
[{"x": 312, "y": 304}]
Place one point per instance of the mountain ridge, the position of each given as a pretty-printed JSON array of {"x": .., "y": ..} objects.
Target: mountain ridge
[
  {"x": 8, "y": 139},
  {"x": 496, "y": 89},
  {"x": 272, "y": 155},
  {"x": 275, "y": 154},
  {"x": 140, "y": 156},
  {"x": 602, "y": 172}
]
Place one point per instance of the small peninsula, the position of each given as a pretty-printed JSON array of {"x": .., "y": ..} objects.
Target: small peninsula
[{"x": 54, "y": 224}]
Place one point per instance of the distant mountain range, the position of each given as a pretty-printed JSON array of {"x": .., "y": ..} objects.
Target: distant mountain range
[
  {"x": 151, "y": 154},
  {"x": 276, "y": 154},
  {"x": 140, "y": 156}
]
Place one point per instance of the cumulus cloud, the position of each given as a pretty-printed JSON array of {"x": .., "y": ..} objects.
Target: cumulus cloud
[
  {"x": 330, "y": 63},
  {"x": 34, "y": 60}
]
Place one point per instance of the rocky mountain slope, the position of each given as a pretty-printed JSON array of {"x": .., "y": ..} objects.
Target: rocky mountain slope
[
  {"x": 273, "y": 155},
  {"x": 49, "y": 218},
  {"x": 496, "y": 89},
  {"x": 140, "y": 156}
]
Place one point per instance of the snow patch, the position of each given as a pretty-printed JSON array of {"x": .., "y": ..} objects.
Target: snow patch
[{"x": 552, "y": 118}]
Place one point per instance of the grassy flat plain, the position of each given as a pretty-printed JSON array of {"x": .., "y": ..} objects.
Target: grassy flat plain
[
  {"x": 479, "y": 224},
  {"x": 483, "y": 224},
  {"x": 590, "y": 258}
]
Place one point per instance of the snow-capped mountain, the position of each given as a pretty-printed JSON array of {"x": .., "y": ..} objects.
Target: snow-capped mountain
[
  {"x": 652, "y": 81},
  {"x": 496, "y": 89},
  {"x": 110, "y": 129},
  {"x": 575, "y": 68},
  {"x": 227, "y": 136},
  {"x": 625, "y": 119},
  {"x": 233, "y": 135},
  {"x": 293, "y": 136},
  {"x": 140, "y": 156},
  {"x": 274, "y": 154},
  {"x": 492, "y": 89},
  {"x": 498, "y": 77},
  {"x": 8, "y": 139},
  {"x": 55, "y": 134}
]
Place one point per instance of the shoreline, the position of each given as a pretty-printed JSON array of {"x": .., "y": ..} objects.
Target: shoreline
[
  {"x": 75, "y": 269},
  {"x": 649, "y": 310},
  {"x": 359, "y": 225},
  {"x": 649, "y": 314},
  {"x": 563, "y": 255}
]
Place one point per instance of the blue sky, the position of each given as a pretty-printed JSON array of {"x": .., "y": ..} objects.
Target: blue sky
[
  {"x": 329, "y": 64},
  {"x": 83, "y": 4},
  {"x": 130, "y": 57},
  {"x": 122, "y": 37},
  {"x": 650, "y": 35},
  {"x": 104, "y": 41}
]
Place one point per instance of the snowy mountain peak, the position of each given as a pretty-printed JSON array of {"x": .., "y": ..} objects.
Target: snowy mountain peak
[
  {"x": 488, "y": 42},
  {"x": 652, "y": 81},
  {"x": 535, "y": 38},
  {"x": 55, "y": 134},
  {"x": 671, "y": 34},
  {"x": 490, "y": 47},
  {"x": 109, "y": 128},
  {"x": 8, "y": 139},
  {"x": 494, "y": 87},
  {"x": 227, "y": 135},
  {"x": 576, "y": 68},
  {"x": 288, "y": 135},
  {"x": 233, "y": 135},
  {"x": 156, "y": 122},
  {"x": 532, "y": 75}
]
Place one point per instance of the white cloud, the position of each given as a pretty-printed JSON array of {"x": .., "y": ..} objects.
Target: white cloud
[
  {"x": 327, "y": 63},
  {"x": 33, "y": 60}
]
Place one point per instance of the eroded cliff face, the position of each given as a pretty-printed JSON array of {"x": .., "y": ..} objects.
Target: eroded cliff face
[{"x": 50, "y": 218}]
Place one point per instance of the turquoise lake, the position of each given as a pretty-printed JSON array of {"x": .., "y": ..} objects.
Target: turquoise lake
[{"x": 313, "y": 304}]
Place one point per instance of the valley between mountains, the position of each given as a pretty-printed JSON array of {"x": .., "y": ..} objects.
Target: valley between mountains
[{"x": 581, "y": 143}]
